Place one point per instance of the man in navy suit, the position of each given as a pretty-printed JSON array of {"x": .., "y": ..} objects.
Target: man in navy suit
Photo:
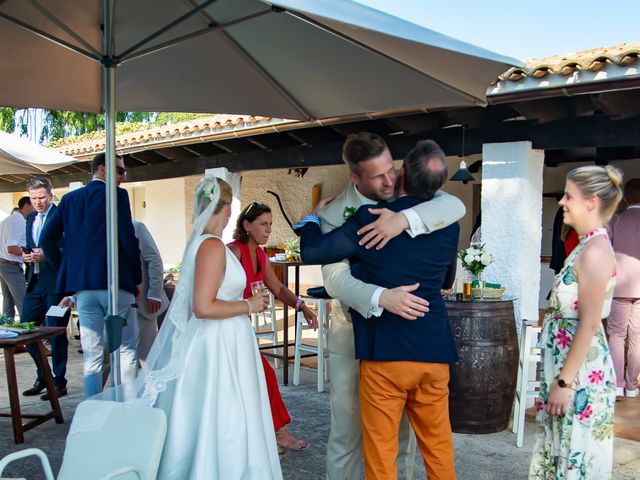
[
  {"x": 404, "y": 364},
  {"x": 41, "y": 291},
  {"x": 83, "y": 269}
]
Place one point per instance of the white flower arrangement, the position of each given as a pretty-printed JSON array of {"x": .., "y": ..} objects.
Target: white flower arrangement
[{"x": 475, "y": 258}]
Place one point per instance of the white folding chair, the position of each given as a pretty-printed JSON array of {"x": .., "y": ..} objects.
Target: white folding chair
[
  {"x": 108, "y": 440},
  {"x": 320, "y": 349},
  {"x": 269, "y": 329},
  {"x": 527, "y": 385}
]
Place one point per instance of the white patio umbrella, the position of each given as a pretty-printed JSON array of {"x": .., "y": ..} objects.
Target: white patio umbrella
[
  {"x": 297, "y": 59},
  {"x": 18, "y": 155}
]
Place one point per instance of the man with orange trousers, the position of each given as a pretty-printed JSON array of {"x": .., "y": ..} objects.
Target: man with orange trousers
[{"x": 404, "y": 364}]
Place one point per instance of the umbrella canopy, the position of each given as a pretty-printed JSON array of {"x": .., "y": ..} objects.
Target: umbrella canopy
[
  {"x": 297, "y": 59},
  {"x": 18, "y": 155}
]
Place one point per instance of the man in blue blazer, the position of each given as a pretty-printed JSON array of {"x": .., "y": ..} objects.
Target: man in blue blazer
[
  {"x": 41, "y": 291},
  {"x": 83, "y": 269},
  {"x": 403, "y": 363}
]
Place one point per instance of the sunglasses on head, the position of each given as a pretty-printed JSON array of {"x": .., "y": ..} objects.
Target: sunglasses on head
[{"x": 254, "y": 204}]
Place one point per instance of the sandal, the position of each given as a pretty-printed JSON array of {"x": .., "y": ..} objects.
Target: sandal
[{"x": 286, "y": 440}]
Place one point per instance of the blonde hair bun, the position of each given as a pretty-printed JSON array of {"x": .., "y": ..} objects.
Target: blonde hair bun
[{"x": 614, "y": 174}]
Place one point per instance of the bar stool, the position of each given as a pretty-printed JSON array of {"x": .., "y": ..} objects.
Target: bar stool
[
  {"x": 320, "y": 350},
  {"x": 268, "y": 317},
  {"x": 526, "y": 387}
]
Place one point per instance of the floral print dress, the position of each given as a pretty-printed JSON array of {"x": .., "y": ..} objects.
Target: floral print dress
[{"x": 579, "y": 444}]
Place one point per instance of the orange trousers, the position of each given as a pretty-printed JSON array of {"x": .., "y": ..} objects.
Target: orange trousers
[{"x": 422, "y": 389}]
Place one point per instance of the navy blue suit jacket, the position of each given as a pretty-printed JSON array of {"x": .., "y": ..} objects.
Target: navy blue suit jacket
[
  {"x": 80, "y": 216},
  {"x": 425, "y": 259},
  {"x": 47, "y": 278}
]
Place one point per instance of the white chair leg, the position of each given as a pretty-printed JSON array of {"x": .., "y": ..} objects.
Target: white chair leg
[
  {"x": 48, "y": 473},
  {"x": 274, "y": 324},
  {"x": 321, "y": 320},
  {"x": 518, "y": 396},
  {"x": 296, "y": 357},
  {"x": 325, "y": 339},
  {"x": 523, "y": 388}
]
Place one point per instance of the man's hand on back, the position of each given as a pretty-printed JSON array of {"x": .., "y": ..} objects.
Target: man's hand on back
[
  {"x": 153, "y": 305},
  {"x": 388, "y": 225},
  {"x": 400, "y": 301}
]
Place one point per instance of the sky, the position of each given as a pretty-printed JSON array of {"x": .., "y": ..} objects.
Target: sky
[{"x": 524, "y": 29}]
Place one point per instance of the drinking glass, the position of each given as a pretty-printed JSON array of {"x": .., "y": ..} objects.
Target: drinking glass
[
  {"x": 467, "y": 283},
  {"x": 257, "y": 287}
]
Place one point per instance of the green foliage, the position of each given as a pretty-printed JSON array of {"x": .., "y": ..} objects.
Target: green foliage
[
  {"x": 164, "y": 118},
  {"x": 8, "y": 119},
  {"x": 59, "y": 125}
]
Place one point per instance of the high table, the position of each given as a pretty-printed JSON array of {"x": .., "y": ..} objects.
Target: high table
[
  {"x": 285, "y": 342},
  {"x": 483, "y": 382},
  {"x": 9, "y": 345}
]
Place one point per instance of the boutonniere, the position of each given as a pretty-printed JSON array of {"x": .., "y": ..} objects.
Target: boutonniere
[{"x": 348, "y": 212}]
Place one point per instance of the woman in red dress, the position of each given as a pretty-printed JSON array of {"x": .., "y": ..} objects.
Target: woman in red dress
[{"x": 252, "y": 230}]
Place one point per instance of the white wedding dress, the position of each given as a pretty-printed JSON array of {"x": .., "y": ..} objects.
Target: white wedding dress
[{"x": 219, "y": 420}]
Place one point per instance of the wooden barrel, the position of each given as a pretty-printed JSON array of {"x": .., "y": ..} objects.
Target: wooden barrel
[{"x": 483, "y": 382}]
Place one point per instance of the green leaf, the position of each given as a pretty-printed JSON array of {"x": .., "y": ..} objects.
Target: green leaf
[
  {"x": 582, "y": 400},
  {"x": 569, "y": 277}
]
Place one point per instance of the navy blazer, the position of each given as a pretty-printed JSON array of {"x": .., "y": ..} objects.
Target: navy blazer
[
  {"x": 425, "y": 259},
  {"x": 81, "y": 217},
  {"x": 47, "y": 278}
]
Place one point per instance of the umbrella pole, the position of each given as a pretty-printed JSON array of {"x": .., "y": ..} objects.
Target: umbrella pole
[{"x": 109, "y": 107}]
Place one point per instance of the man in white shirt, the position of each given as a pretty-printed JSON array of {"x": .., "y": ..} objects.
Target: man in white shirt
[{"x": 12, "y": 239}]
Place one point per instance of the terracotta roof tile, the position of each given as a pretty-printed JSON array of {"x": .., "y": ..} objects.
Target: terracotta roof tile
[
  {"x": 618, "y": 62},
  {"x": 566, "y": 64},
  {"x": 212, "y": 125}
]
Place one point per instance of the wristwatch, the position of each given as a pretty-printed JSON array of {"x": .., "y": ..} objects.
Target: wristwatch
[{"x": 563, "y": 384}]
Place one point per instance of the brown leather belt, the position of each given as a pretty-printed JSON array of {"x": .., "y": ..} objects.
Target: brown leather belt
[{"x": 16, "y": 264}]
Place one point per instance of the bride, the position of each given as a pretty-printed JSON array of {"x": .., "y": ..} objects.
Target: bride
[{"x": 204, "y": 369}]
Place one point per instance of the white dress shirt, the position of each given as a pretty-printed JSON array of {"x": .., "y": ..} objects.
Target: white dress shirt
[{"x": 13, "y": 232}]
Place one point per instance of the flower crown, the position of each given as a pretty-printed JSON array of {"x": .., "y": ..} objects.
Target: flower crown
[{"x": 209, "y": 190}]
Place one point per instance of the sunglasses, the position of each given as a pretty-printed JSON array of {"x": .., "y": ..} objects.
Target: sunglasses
[
  {"x": 121, "y": 170},
  {"x": 254, "y": 204}
]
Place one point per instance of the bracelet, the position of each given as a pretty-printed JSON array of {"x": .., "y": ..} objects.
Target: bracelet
[
  {"x": 298, "y": 303},
  {"x": 250, "y": 307}
]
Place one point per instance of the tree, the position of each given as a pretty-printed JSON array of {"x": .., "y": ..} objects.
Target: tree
[
  {"x": 58, "y": 124},
  {"x": 8, "y": 119}
]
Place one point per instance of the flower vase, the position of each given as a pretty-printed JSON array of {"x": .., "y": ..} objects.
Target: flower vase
[{"x": 480, "y": 288}]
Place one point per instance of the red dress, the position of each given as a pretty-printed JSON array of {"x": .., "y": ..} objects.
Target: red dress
[
  {"x": 571, "y": 242},
  {"x": 278, "y": 409}
]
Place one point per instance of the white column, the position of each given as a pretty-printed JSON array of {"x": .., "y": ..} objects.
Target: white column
[
  {"x": 233, "y": 179},
  {"x": 512, "y": 221}
]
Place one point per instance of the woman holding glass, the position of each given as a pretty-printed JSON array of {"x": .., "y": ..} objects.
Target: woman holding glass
[
  {"x": 252, "y": 230},
  {"x": 574, "y": 435}
]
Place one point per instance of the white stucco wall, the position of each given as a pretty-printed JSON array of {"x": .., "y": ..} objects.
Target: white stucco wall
[
  {"x": 6, "y": 205},
  {"x": 512, "y": 221},
  {"x": 165, "y": 214}
]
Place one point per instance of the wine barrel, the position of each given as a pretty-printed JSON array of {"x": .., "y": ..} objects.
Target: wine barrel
[{"x": 483, "y": 382}]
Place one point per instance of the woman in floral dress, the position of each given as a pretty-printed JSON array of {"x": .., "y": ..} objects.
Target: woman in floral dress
[{"x": 574, "y": 434}]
